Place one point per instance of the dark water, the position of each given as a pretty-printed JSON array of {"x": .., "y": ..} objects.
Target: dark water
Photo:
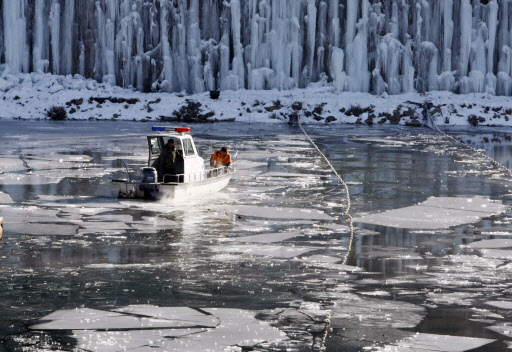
[{"x": 70, "y": 243}]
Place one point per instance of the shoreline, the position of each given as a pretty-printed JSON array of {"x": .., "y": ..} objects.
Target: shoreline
[{"x": 30, "y": 96}]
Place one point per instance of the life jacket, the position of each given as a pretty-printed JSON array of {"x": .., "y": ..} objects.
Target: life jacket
[{"x": 219, "y": 160}]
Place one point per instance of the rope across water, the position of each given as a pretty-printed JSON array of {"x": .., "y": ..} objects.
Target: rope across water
[
  {"x": 345, "y": 213},
  {"x": 482, "y": 154}
]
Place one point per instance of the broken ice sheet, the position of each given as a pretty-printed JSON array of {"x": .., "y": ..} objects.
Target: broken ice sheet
[
  {"x": 153, "y": 224},
  {"x": 266, "y": 237},
  {"x": 437, "y": 213},
  {"x": 33, "y": 220},
  {"x": 496, "y": 253},
  {"x": 278, "y": 213},
  {"x": 147, "y": 327},
  {"x": 131, "y": 340},
  {"x": 500, "y": 304},
  {"x": 442, "y": 343},
  {"x": 346, "y": 229},
  {"x": 288, "y": 174},
  {"x": 504, "y": 329},
  {"x": 358, "y": 310},
  {"x": 265, "y": 250},
  {"x": 495, "y": 243},
  {"x": 453, "y": 298},
  {"x": 5, "y": 198}
]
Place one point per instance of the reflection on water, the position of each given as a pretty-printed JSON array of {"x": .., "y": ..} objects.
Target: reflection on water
[{"x": 69, "y": 243}]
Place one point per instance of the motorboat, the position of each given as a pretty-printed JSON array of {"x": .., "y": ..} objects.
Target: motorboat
[{"x": 191, "y": 179}]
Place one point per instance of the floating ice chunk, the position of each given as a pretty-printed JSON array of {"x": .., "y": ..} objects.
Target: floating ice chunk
[
  {"x": 385, "y": 142},
  {"x": 91, "y": 319},
  {"x": 120, "y": 266},
  {"x": 269, "y": 251},
  {"x": 5, "y": 198},
  {"x": 375, "y": 293},
  {"x": 182, "y": 316},
  {"x": 280, "y": 222},
  {"x": 437, "y": 213},
  {"x": 267, "y": 237},
  {"x": 377, "y": 312},
  {"x": 249, "y": 165},
  {"x": 41, "y": 229},
  {"x": 486, "y": 313},
  {"x": 324, "y": 259},
  {"x": 441, "y": 343},
  {"x": 458, "y": 298},
  {"x": 288, "y": 174},
  {"x": 504, "y": 329},
  {"x": 500, "y": 304},
  {"x": 169, "y": 329},
  {"x": 496, "y": 253},
  {"x": 131, "y": 340},
  {"x": 280, "y": 213},
  {"x": 346, "y": 229},
  {"x": 496, "y": 243},
  {"x": 153, "y": 224}
]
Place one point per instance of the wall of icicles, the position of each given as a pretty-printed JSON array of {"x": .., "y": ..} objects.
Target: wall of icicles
[{"x": 393, "y": 46}]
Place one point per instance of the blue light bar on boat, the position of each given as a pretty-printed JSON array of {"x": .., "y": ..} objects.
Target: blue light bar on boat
[{"x": 172, "y": 129}]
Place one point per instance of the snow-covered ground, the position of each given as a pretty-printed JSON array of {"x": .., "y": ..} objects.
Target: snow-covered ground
[{"x": 30, "y": 96}]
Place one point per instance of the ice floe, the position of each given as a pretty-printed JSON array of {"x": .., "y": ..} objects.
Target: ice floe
[
  {"x": 376, "y": 312},
  {"x": 437, "y": 213},
  {"x": 440, "y": 343},
  {"x": 489, "y": 244},
  {"x": 279, "y": 213},
  {"x": 266, "y": 250},
  {"x": 267, "y": 237},
  {"x": 500, "y": 304},
  {"x": 146, "y": 328}
]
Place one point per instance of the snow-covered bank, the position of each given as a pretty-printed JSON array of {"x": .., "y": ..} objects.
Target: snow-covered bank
[{"x": 30, "y": 96}]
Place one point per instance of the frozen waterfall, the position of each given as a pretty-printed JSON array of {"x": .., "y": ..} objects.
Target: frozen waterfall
[{"x": 387, "y": 46}]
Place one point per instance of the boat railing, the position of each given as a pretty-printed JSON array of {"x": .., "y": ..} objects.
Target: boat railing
[{"x": 200, "y": 175}]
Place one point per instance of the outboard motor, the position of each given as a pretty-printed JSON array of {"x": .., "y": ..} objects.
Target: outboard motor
[
  {"x": 149, "y": 183},
  {"x": 149, "y": 175}
]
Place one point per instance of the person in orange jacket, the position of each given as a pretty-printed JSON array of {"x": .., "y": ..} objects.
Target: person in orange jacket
[{"x": 220, "y": 158}]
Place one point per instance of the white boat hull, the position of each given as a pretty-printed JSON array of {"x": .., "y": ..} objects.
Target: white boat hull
[{"x": 158, "y": 191}]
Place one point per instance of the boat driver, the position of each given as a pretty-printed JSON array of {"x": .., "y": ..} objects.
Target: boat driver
[
  {"x": 168, "y": 158},
  {"x": 220, "y": 158}
]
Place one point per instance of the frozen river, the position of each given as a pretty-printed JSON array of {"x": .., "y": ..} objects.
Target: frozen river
[{"x": 257, "y": 267}]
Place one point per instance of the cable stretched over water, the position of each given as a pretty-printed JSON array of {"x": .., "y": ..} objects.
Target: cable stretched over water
[
  {"x": 345, "y": 213},
  {"x": 436, "y": 128}
]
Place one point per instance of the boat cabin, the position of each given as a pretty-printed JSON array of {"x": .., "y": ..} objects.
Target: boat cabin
[{"x": 190, "y": 168}]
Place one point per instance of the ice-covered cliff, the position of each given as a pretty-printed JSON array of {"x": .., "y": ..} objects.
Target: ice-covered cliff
[{"x": 391, "y": 46}]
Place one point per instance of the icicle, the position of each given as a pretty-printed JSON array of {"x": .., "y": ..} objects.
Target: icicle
[
  {"x": 166, "y": 51},
  {"x": 67, "y": 36},
  {"x": 81, "y": 61},
  {"x": 39, "y": 64},
  {"x": 311, "y": 38},
  {"x": 238, "y": 59},
  {"x": 351, "y": 21},
  {"x": 465, "y": 36},
  {"x": 358, "y": 55},
  {"x": 54, "y": 22},
  {"x": 194, "y": 51},
  {"x": 17, "y": 54},
  {"x": 407, "y": 69},
  {"x": 337, "y": 69},
  {"x": 335, "y": 23},
  {"x": 492, "y": 25},
  {"x": 448, "y": 34},
  {"x": 193, "y": 45}
]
